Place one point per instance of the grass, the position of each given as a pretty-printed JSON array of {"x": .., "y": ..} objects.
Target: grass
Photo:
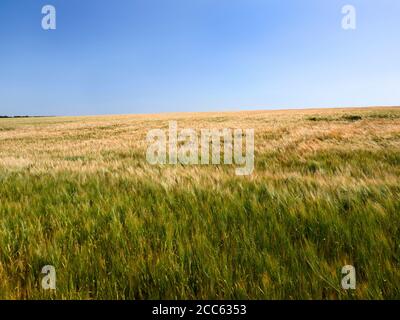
[{"x": 77, "y": 193}]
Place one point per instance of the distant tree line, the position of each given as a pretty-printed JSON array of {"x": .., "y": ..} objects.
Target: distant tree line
[{"x": 13, "y": 117}]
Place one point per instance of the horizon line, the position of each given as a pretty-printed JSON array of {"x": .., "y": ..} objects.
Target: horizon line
[{"x": 211, "y": 111}]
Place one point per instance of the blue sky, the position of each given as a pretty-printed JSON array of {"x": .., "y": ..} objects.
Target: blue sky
[{"x": 150, "y": 56}]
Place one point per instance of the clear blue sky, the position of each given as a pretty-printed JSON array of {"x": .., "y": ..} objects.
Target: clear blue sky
[{"x": 147, "y": 56}]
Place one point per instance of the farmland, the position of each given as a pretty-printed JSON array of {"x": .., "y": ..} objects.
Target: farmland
[{"x": 77, "y": 193}]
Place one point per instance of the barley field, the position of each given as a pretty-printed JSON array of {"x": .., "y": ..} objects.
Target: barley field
[{"x": 77, "y": 193}]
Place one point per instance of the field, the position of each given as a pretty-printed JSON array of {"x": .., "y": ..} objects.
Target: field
[{"x": 77, "y": 193}]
